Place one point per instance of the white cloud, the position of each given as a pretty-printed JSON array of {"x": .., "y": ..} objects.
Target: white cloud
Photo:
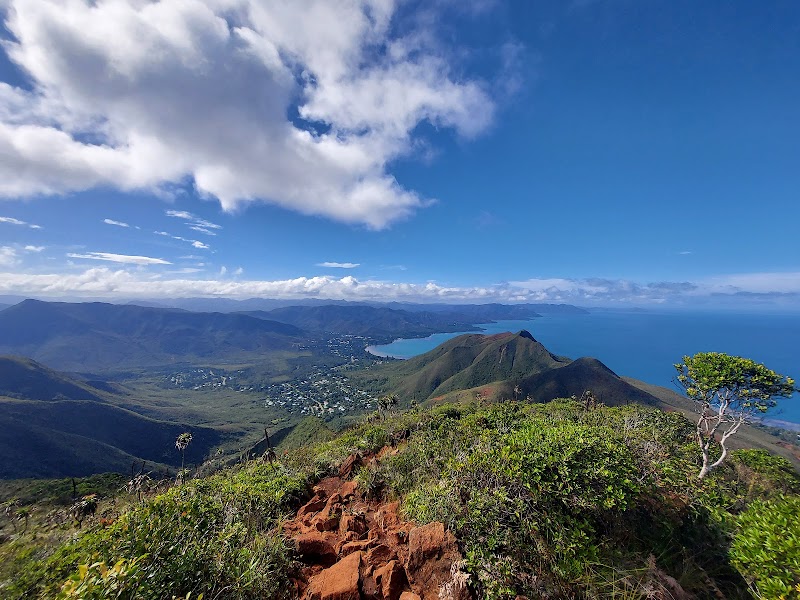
[
  {"x": 195, "y": 243},
  {"x": 202, "y": 229},
  {"x": 339, "y": 265},
  {"x": 239, "y": 271},
  {"x": 119, "y": 73},
  {"x": 223, "y": 271},
  {"x": 8, "y": 256},
  {"x": 13, "y": 221},
  {"x": 186, "y": 271},
  {"x": 120, "y": 258},
  {"x": 180, "y": 214},
  {"x": 34, "y": 248},
  {"x": 113, "y": 222},
  {"x": 196, "y": 222},
  {"x": 106, "y": 282}
]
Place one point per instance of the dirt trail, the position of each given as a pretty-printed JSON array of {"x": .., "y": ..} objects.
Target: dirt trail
[{"x": 359, "y": 549}]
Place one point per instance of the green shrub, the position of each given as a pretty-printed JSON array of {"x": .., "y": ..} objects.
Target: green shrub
[
  {"x": 528, "y": 497},
  {"x": 213, "y": 536},
  {"x": 766, "y": 547}
]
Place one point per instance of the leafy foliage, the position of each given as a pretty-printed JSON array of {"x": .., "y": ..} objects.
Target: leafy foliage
[
  {"x": 207, "y": 536},
  {"x": 729, "y": 391},
  {"x": 767, "y": 547}
]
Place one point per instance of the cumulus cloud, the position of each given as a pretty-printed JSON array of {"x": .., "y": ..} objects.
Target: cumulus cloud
[
  {"x": 120, "y": 258},
  {"x": 200, "y": 245},
  {"x": 34, "y": 248},
  {"x": 113, "y": 222},
  {"x": 339, "y": 265},
  {"x": 302, "y": 104},
  {"x": 13, "y": 221}
]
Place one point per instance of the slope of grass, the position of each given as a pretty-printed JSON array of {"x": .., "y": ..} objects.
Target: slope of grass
[{"x": 76, "y": 438}]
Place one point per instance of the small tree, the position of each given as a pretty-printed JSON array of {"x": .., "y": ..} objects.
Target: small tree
[
  {"x": 181, "y": 443},
  {"x": 730, "y": 391},
  {"x": 386, "y": 403}
]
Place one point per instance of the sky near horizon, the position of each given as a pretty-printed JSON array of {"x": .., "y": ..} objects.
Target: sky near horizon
[{"x": 597, "y": 152}]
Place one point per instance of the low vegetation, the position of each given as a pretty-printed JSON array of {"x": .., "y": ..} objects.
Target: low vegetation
[{"x": 565, "y": 499}]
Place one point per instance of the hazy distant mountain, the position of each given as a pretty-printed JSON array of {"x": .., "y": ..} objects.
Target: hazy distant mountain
[
  {"x": 4, "y": 306},
  {"x": 471, "y": 312},
  {"x": 56, "y": 426},
  {"x": 95, "y": 336},
  {"x": 502, "y": 362},
  {"x": 494, "y": 311},
  {"x": 232, "y": 305},
  {"x": 366, "y": 320}
]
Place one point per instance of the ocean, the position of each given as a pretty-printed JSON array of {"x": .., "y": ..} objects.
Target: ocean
[{"x": 645, "y": 345}]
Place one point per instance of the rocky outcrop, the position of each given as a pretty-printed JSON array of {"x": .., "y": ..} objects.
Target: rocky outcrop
[{"x": 352, "y": 548}]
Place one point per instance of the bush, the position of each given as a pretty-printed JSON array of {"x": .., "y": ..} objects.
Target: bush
[
  {"x": 528, "y": 497},
  {"x": 766, "y": 547},
  {"x": 212, "y": 536}
]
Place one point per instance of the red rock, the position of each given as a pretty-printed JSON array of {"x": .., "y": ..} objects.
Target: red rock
[
  {"x": 370, "y": 590},
  {"x": 348, "y": 489},
  {"x": 409, "y": 596},
  {"x": 338, "y": 582},
  {"x": 316, "y": 545},
  {"x": 326, "y": 487},
  {"x": 355, "y": 546},
  {"x": 426, "y": 542},
  {"x": 380, "y": 555},
  {"x": 350, "y": 464},
  {"x": 355, "y": 523},
  {"x": 430, "y": 564},
  {"x": 389, "y": 515},
  {"x": 349, "y": 536},
  {"x": 391, "y": 578},
  {"x": 316, "y": 504},
  {"x": 323, "y": 523}
]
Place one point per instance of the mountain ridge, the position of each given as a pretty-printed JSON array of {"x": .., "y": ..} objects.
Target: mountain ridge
[
  {"x": 505, "y": 364},
  {"x": 92, "y": 336}
]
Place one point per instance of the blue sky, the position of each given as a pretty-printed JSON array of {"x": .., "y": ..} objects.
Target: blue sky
[{"x": 611, "y": 152}]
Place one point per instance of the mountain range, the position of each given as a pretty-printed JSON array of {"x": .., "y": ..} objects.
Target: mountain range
[
  {"x": 373, "y": 321},
  {"x": 54, "y": 426},
  {"x": 96, "y": 336}
]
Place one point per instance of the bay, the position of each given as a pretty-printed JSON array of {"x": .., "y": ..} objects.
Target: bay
[{"x": 645, "y": 344}]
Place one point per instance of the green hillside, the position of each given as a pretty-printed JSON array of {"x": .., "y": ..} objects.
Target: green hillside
[
  {"x": 76, "y": 437},
  {"x": 56, "y": 426},
  {"x": 500, "y": 367},
  {"x": 555, "y": 500},
  {"x": 25, "y": 378}
]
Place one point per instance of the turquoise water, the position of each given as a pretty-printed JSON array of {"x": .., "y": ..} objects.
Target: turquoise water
[{"x": 645, "y": 345}]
